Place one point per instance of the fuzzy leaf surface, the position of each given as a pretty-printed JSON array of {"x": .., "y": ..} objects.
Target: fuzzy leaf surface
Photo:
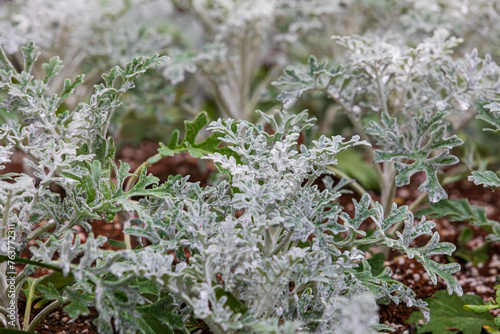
[{"x": 422, "y": 148}]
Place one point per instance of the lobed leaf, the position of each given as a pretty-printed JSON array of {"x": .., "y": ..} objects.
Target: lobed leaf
[
  {"x": 422, "y": 148},
  {"x": 449, "y": 316}
]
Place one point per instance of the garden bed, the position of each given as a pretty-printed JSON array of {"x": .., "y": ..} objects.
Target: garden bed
[{"x": 475, "y": 279}]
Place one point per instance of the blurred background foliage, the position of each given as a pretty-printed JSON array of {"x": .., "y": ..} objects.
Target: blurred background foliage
[{"x": 224, "y": 54}]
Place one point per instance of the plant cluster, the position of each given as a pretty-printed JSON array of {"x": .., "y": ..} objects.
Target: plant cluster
[
  {"x": 266, "y": 247},
  {"x": 262, "y": 250}
]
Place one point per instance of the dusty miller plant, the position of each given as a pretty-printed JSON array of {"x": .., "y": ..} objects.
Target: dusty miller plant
[
  {"x": 64, "y": 148},
  {"x": 238, "y": 47},
  {"x": 489, "y": 113},
  {"x": 264, "y": 250},
  {"x": 89, "y": 36},
  {"x": 406, "y": 101}
]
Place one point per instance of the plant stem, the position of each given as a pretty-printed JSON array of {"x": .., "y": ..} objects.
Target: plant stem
[
  {"x": 358, "y": 126},
  {"x": 43, "y": 314},
  {"x": 421, "y": 198},
  {"x": 213, "y": 327},
  {"x": 130, "y": 184},
  {"x": 354, "y": 184},
  {"x": 44, "y": 228},
  {"x": 29, "y": 301},
  {"x": 282, "y": 244},
  {"x": 254, "y": 99},
  {"x": 388, "y": 187},
  {"x": 381, "y": 90}
]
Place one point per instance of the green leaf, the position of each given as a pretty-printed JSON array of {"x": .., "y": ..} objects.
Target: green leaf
[
  {"x": 78, "y": 304},
  {"x": 487, "y": 178},
  {"x": 69, "y": 88},
  {"x": 298, "y": 80},
  {"x": 142, "y": 186},
  {"x": 30, "y": 55},
  {"x": 455, "y": 210},
  {"x": 377, "y": 263},
  {"x": 51, "y": 68},
  {"x": 188, "y": 144},
  {"x": 480, "y": 308},
  {"x": 55, "y": 280},
  {"x": 233, "y": 303},
  {"x": 353, "y": 164},
  {"x": 50, "y": 292},
  {"x": 5, "y": 64},
  {"x": 448, "y": 315},
  {"x": 422, "y": 254},
  {"x": 421, "y": 148},
  {"x": 479, "y": 255},
  {"x": 158, "y": 317},
  {"x": 181, "y": 62},
  {"x": 152, "y": 326},
  {"x": 173, "y": 321},
  {"x": 491, "y": 116},
  {"x": 461, "y": 210},
  {"x": 91, "y": 183},
  {"x": 192, "y": 128},
  {"x": 103, "y": 149},
  {"x": 163, "y": 306},
  {"x": 116, "y": 243}
]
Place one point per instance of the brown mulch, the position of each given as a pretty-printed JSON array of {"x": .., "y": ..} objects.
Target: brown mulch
[
  {"x": 478, "y": 280},
  {"x": 60, "y": 323}
]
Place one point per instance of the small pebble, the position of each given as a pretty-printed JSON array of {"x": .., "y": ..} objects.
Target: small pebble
[
  {"x": 416, "y": 277},
  {"x": 54, "y": 315},
  {"x": 82, "y": 236},
  {"x": 495, "y": 262},
  {"x": 85, "y": 331},
  {"x": 70, "y": 321},
  {"x": 405, "y": 193},
  {"x": 483, "y": 289},
  {"x": 475, "y": 243},
  {"x": 65, "y": 319},
  {"x": 474, "y": 272},
  {"x": 78, "y": 228},
  {"x": 491, "y": 279}
]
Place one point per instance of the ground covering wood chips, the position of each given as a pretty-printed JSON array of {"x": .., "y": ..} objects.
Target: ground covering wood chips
[{"x": 475, "y": 279}]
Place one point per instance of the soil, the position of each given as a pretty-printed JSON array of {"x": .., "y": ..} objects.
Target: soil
[{"x": 478, "y": 280}]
